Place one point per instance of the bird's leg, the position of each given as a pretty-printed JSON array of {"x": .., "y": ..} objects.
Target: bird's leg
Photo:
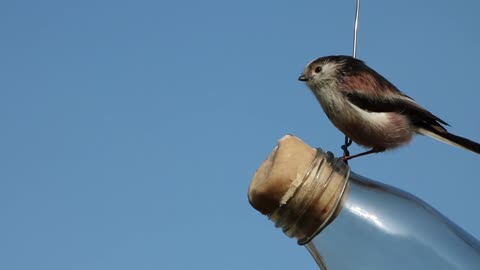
[
  {"x": 372, "y": 151},
  {"x": 346, "y": 153}
]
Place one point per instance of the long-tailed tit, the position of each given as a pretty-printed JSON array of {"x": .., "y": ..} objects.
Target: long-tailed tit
[{"x": 369, "y": 109}]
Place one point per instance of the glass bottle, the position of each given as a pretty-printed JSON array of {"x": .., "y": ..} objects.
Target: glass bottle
[{"x": 347, "y": 221}]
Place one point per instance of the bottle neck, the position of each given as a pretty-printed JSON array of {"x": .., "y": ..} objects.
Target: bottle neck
[{"x": 314, "y": 199}]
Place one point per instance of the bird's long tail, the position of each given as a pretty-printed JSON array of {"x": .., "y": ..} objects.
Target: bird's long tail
[{"x": 451, "y": 139}]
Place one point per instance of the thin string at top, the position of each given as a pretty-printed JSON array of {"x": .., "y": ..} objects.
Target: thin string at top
[
  {"x": 355, "y": 29},
  {"x": 348, "y": 141}
]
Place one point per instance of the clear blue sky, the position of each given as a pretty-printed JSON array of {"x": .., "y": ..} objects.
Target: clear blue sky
[{"x": 131, "y": 129}]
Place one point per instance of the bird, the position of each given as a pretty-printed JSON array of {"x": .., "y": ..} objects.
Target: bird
[{"x": 369, "y": 109}]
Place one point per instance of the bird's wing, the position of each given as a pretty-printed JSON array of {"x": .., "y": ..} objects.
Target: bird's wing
[
  {"x": 400, "y": 104},
  {"x": 382, "y": 96}
]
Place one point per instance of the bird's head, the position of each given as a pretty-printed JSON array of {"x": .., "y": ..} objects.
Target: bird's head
[{"x": 326, "y": 69}]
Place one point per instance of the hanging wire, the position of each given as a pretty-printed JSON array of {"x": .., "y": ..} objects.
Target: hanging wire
[
  {"x": 355, "y": 29},
  {"x": 348, "y": 141}
]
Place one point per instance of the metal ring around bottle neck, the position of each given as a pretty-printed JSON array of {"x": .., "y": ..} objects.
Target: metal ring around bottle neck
[
  {"x": 338, "y": 166},
  {"x": 294, "y": 213}
]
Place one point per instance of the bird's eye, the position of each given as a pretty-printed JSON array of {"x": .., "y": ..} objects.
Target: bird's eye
[{"x": 318, "y": 69}]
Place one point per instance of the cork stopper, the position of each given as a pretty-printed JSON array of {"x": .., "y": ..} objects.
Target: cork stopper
[{"x": 299, "y": 188}]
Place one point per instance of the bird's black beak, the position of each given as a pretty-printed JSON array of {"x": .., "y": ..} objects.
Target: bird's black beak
[{"x": 303, "y": 78}]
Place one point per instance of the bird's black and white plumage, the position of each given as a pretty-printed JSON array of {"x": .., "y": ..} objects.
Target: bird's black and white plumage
[{"x": 369, "y": 109}]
